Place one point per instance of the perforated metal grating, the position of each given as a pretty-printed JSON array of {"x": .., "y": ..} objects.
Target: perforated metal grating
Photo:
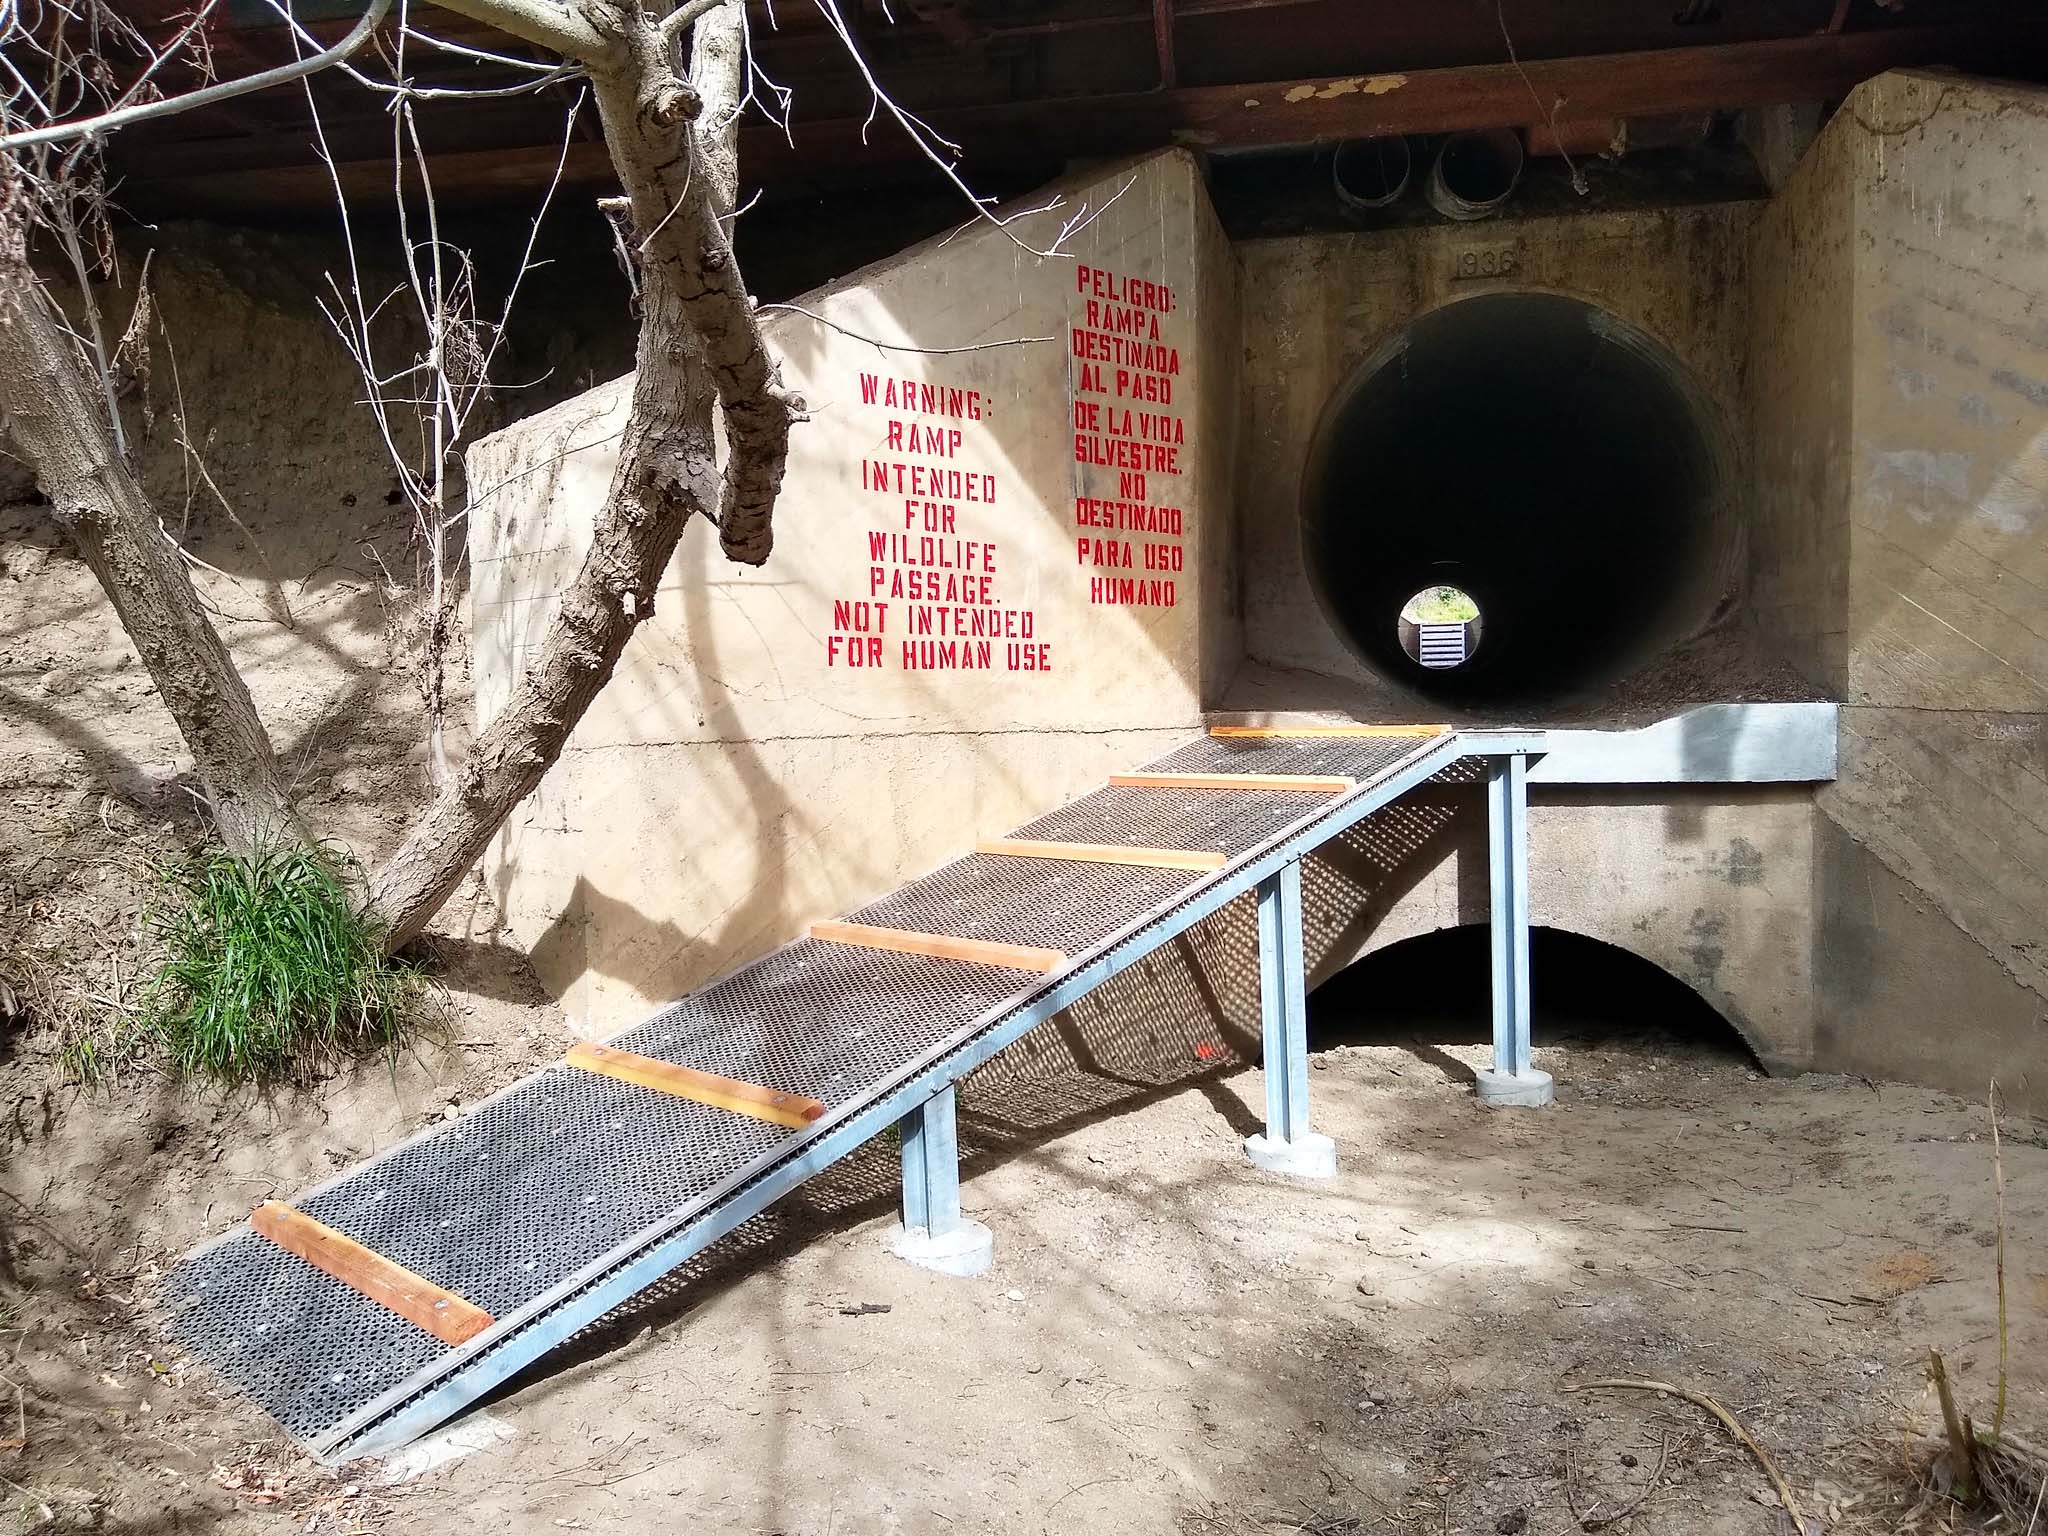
[
  {"x": 1359, "y": 757},
  {"x": 1230, "y": 821},
  {"x": 567, "y": 1175},
  {"x": 1053, "y": 903}
]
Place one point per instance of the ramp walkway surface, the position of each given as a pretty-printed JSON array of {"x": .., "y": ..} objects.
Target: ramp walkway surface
[{"x": 380, "y": 1303}]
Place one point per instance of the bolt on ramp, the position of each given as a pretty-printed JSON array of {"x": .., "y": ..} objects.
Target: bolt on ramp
[{"x": 568, "y": 1192}]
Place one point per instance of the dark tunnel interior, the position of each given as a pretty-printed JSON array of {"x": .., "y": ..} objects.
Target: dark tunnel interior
[{"x": 1554, "y": 462}]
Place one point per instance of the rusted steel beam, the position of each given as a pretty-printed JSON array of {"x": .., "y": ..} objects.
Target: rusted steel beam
[{"x": 1603, "y": 86}]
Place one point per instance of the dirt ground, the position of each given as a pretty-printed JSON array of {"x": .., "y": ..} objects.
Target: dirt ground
[{"x": 1170, "y": 1341}]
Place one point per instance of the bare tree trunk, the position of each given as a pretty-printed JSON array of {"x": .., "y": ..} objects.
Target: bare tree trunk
[
  {"x": 699, "y": 343},
  {"x": 700, "y": 351},
  {"x": 54, "y": 414}
]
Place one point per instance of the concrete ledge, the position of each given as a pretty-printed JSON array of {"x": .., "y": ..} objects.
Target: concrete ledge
[
  {"x": 1791, "y": 743},
  {"x": 1708, "y": 744},
  {"x": 1307, "y": 1157},
  {"x": 964, "y": 1252},
  {"x": 1515, "y": 1090}
]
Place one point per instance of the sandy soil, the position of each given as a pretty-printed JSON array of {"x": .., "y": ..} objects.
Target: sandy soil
[
  {"x": 1172, "y": 1342},
  {"x": 306, "y": 584}
]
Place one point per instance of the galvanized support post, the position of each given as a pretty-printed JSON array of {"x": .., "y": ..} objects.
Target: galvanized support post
[
  {"x": 1511, "y": 1081},
  {"x": 934, "y": 1234},
  {"x": 1287, "y": 1145}
]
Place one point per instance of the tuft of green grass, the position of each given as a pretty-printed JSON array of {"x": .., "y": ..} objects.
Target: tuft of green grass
[{"x": 270, "y": 969}]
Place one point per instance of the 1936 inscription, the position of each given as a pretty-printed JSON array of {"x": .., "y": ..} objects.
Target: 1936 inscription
[{"x": 1485, "y": 261}]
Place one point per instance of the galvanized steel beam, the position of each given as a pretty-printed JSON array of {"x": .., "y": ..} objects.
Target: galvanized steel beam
[{"x": 1512, "y": 1080}]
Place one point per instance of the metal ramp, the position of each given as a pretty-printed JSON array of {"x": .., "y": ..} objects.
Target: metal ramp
[{"x": 567, "y": 1193}]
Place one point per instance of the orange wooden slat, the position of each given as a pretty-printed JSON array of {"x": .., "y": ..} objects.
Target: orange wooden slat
[
  {"x": 392, "y": 1286},
  {"x": 1307, "y": 783},
  {"x": 1106, "y": 853},
  {"x": 770, "y": 1104},
  {"x": 940, "y": 946}
]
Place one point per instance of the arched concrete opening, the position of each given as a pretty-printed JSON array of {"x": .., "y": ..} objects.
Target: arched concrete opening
[
  {"x": 1432, "y": 990},
  {"x": 1555, "y": 462}
]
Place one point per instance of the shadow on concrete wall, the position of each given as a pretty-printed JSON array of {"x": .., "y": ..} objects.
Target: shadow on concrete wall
[{"x": 737, "y": 662}]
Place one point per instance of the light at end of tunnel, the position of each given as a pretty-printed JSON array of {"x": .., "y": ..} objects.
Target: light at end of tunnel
[{"x": 1439, "y": 627}]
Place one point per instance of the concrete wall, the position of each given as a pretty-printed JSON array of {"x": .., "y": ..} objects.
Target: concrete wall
[
  {"x": 1317, "y": 307},
  {"x": 1901, "y": 393},
  {"x": 1877, "y": 335},
  {"x": 1797, "y": 402},
  {"x": 783, "y": 744},
  {"x": 1712, "y": 883},
  {"x": 1875, "y": 340},
  {"x": 740, "y": 778}
]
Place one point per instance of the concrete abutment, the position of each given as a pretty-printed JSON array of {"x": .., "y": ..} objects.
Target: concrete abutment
[{"x": 1810, "y": 434}]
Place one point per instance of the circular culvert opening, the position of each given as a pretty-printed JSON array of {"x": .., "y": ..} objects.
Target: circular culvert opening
[
  {"x": 1553, "y": 464},
  {"x": 1439, "y": 628},
  {"x": 1475, "y": 172},
  {"x": 1370, "y": 173}
]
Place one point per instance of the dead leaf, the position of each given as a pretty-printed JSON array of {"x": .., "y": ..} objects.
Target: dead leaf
[{"x": 1896, "y": 1273}]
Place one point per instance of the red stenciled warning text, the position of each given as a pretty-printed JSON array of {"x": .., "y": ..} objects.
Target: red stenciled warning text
[
  {"x": 931, "y": 571},
  {"x": 1126, "y": 372}
]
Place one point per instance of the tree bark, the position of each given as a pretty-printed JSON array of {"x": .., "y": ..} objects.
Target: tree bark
[
  {"x": 699, "y": 342},
  {"x": 56, "y": 418}
]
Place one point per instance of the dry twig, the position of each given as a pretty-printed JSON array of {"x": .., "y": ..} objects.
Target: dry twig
[
  {"x": 898, "y": 346},
  {"x": 19, "y": 1442},
  {"x": 1728, "y": 1421},
  {"x": 1998, "y": 1186}
]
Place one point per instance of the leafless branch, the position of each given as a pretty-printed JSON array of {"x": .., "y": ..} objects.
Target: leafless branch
[
  {"x": 478, "y": 55},
  {"x": 898, "y": 346},
  {"x": 938, "y": 149},
  {"x": 543, "y": 23},
  {"x": 684, "y": 17},
  {"x": 546, "y": 76},
  {"x": 274, "y": 596},
  {"x": 200, "y": 565},
  {"x": 440, "y": 388},
  {"x": 102, "y": 123}
]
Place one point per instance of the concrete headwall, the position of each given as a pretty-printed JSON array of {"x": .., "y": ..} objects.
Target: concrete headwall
[
  {"x": 1002, "y": 569},
  {"x": 1317, "y": 308},
  {"x": 1711, "y": 883},
  {"x": 763, "y": 759},
  {"x": 1901, "y": 392},
  {"x": 1876, "y": 334},
  {"x": 1872, "y": 340}
]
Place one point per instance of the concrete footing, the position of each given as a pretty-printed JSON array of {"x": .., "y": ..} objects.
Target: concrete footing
[
  {"x": 965, "y": 1251},
  {"x": 1308, "y": 1156},
  {"x": 1526, "y": 1089}
]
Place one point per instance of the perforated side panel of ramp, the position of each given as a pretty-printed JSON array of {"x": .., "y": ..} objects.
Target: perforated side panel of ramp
[{"x": 567, "y": 1175}]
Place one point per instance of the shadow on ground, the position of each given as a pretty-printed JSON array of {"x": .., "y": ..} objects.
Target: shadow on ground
[{"x": 1419, "y": 996}]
